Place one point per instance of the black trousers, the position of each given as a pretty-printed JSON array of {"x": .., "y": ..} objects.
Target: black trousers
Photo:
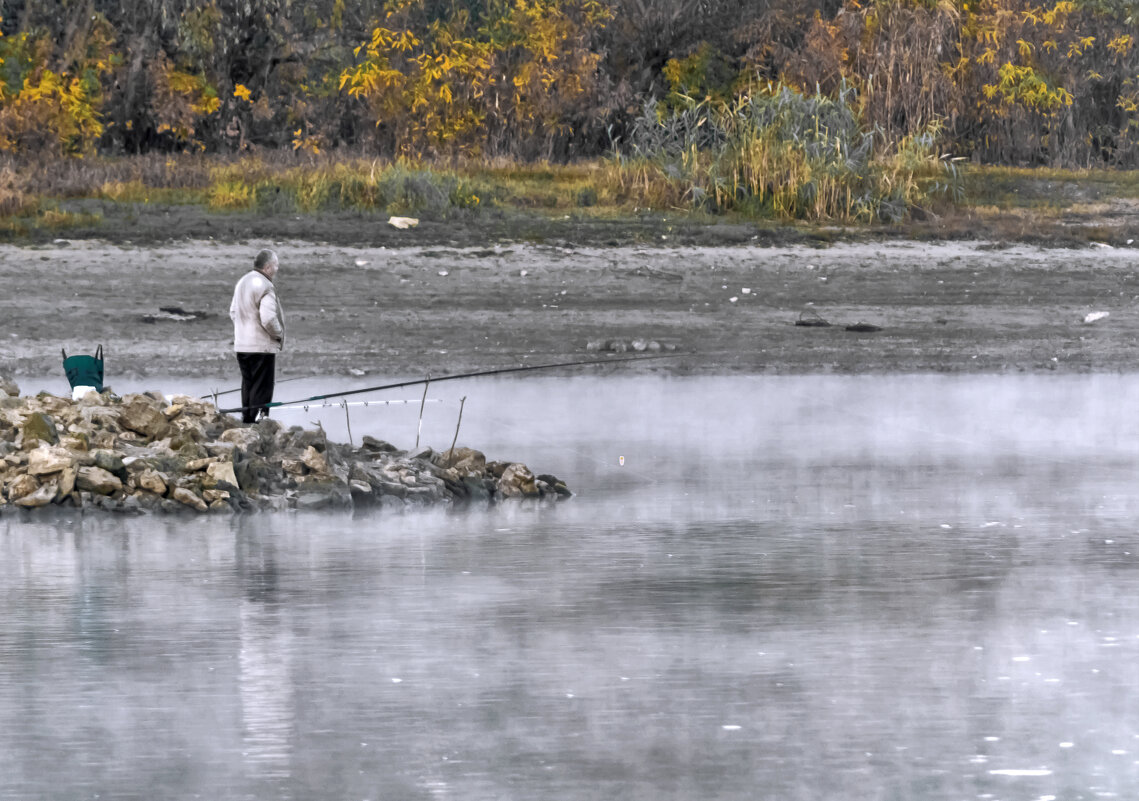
[{"x": 257, "y": 371}]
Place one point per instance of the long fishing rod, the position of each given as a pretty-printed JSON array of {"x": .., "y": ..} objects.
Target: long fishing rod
[
  {"x": 431, "y": 380},
  {"x": 238, "y": 389}
]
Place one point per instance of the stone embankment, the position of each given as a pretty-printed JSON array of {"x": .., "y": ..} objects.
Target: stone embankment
[{"x": 150, "y": 453}]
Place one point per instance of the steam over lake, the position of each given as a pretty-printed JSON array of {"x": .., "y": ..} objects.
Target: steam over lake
[{"x": 766, "y": 588}]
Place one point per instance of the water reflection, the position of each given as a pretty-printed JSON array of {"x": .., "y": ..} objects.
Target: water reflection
[
  {"x": 265, "y": 678},
  {"x": 794, "y": 604}
]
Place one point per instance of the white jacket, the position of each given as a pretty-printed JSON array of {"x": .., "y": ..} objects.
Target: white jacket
[{"x": 258, "y": 321}]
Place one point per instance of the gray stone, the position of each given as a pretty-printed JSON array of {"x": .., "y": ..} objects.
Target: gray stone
[
  {"x": 109, "y": 461},
  {"x": 8, "y": 386},
  {"x": 313, "y": 500},
  {"x": 378, "y": 445},
  {"x": 361, "y": 491},
  {"x": 97, "y": 480},
  {"x": 556, "y": 485}
]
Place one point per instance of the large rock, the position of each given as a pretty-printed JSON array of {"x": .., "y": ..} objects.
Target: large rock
[
  {"x": 22, "y": 485},
  {"x": 315, "y": 460},
  {"x": 41, "y": 497},
  {"x": 97, "y": 480},
  {"x": 189, "y": 498},
  {"x": 248, "y": 439},
  {"x": 466, "y": 461},
  {"x": 39, "y": 427},
  {"x": 48, "y": 459},
  {"x": 152, "y": 481},
  {"x": 141, "y": 417},
  {"x": 9, "y": 387},
  {"x": 66, "y": 481},
  {"x": 517, "y": 481},
  {"x": 220, "y": 471},
  {"x": 110, "y": 461}
]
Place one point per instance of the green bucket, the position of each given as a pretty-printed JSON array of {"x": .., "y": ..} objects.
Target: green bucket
[{"x": 84, "y": 371}]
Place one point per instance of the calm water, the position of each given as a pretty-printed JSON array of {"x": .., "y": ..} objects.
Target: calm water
[{"x": 792, "y": 588}]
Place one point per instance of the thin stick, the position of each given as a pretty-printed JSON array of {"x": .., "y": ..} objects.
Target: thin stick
[
  {"x": 422, "y": 403},
  {"x": 451, "y": 452},
  {"x": 348, "y": 422}
]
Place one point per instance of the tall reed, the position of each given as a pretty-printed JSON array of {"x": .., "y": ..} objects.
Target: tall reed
[{"x": 775, "y": 152}]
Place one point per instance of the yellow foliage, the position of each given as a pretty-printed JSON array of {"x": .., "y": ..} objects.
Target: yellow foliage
[
  {"x": 1120, "y": 44},
  {"x": 436, "y": 83},
  {"x": 231, "y": 195}
]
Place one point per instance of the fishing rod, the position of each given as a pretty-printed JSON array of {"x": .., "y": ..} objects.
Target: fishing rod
[
  {"x": 238, "y": 389},
  {"x": 431, "y": 380}
]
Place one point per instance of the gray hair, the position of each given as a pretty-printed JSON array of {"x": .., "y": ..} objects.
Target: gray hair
[{"x": 263, "y": 259}]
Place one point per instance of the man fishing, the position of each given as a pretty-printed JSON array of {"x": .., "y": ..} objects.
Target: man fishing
[{"x": 258, "y": 334}]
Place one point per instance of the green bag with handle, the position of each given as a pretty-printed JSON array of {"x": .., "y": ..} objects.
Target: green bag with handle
[{"x": 84, "y": 371}]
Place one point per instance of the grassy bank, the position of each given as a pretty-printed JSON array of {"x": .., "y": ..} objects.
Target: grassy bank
[{"x": 918, "y": 197}]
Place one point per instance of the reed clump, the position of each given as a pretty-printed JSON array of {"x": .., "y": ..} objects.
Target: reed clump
[
  {"x": 398, "y": 188},
  {"x": 777, "y": 153}
]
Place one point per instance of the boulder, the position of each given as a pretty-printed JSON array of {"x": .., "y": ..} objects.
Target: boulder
[
  {"x": 195, "y": 465},
  {"x": 248, "y": 439},
  {"x": 152, "y": 481},
  {"x": 361, "y": 491},
  {"x": 466, "y": 461},
  {"x": 517, "y": 481},
  {"x": 110, "y": 461},
  {"x": 189, "y": 498},
  {"x": 66, "y": 480},
  {"x": 22, "y": 485},
  {"x": 556, "y": 485},
  {"x": 378, "y": 445},
  {"x": 257, "y": 475},
  {"x": 220, "y": 471},
  {"x": 75, "y": 441},
  {"x": 294, "y": 466},
  {"x": 142, "y": 417},
  {"x": 48, "y": 459},
  {"x": 315, "y": 461},
  {"x": 480, "y": 490},
  {"x": 42, "y": 496},
  {"x": 98, "y": 481},
  {"x": 320, "y": 494},
  {"x": 9, "y": 387},
  {"x": 39, "y": 427}
]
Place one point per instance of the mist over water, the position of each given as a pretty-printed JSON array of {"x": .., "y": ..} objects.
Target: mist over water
[{"x": 791, "y": 588}]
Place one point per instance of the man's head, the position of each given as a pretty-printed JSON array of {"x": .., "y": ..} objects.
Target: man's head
[{"x": 266, "y": 263}]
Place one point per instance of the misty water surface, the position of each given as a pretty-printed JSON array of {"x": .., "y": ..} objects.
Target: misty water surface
[{"x": 788, "y": 588}]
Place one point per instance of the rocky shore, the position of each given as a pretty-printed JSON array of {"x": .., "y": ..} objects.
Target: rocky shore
[{"x": 151, "y": 453}]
